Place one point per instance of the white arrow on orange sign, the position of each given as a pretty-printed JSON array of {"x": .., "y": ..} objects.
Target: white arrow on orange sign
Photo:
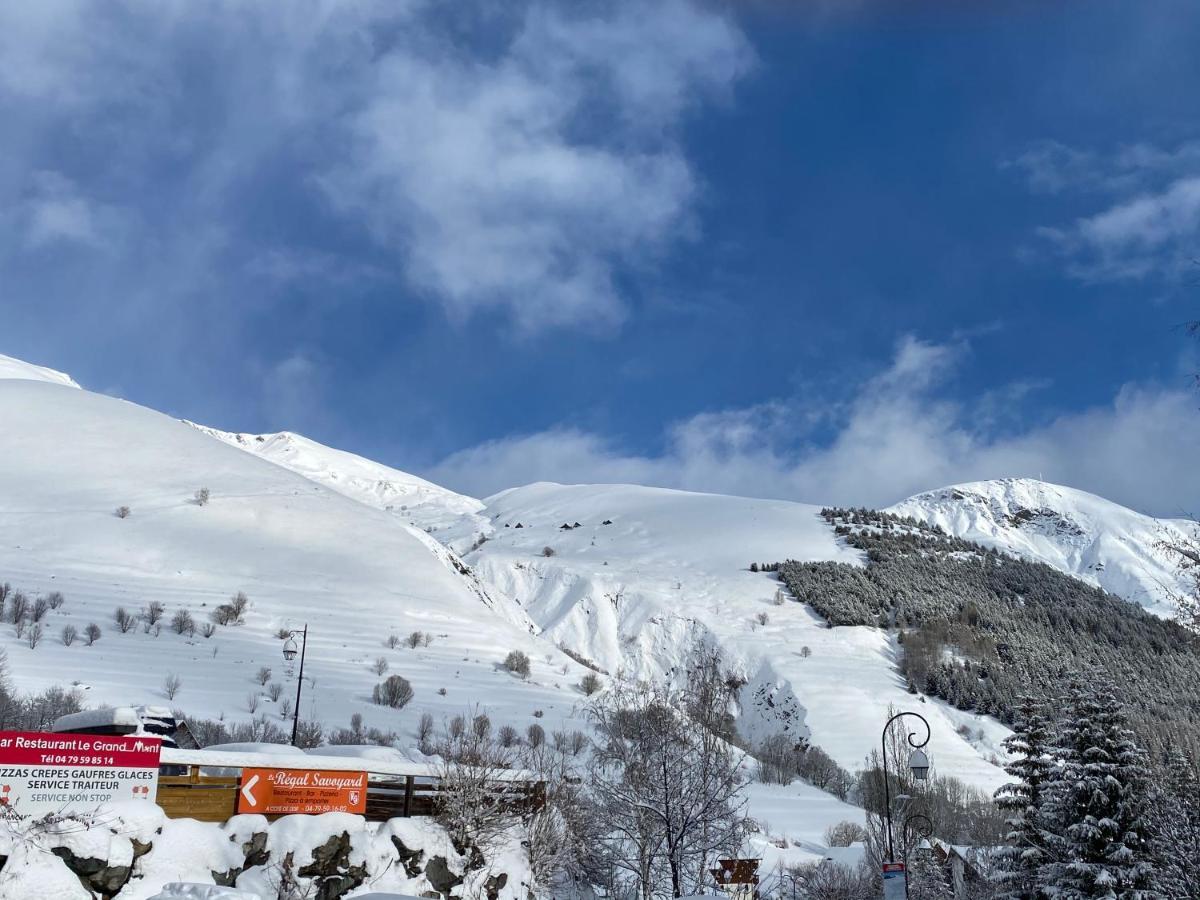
[{"x": 248, "y": 791}]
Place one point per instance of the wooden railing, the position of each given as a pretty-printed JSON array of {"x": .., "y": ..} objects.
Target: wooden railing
[{"x": 391, "y": 793}]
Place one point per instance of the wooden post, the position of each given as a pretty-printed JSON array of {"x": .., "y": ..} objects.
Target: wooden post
[{"x": 408, "y": 794}]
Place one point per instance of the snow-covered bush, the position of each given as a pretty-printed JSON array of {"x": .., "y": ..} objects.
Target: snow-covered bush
[
  {"x": 92, "y": 633},
  {"x": 201, "y": 496},
  {"x": 395, "y": 691},
  {"x": 414, "y": 640},
  {"x": 263, "y": 675},
  {"x": 380, "y": 665},
  {"x": 69, "y": 634},
  {"x": 843, "y": 834},
  {"x": 517, "y": 662}
]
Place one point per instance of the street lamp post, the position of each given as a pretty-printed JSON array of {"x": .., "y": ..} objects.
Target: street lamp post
[
  {"x": 289, "y": 653},
  {"x": 918, "y": 764}
]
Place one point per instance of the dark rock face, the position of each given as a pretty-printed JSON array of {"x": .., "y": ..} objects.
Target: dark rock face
[
  {"x": 331, "y": 870},
  {"x": 95, "y": 874},
  {"x": 409, "y": 859},
  {"x": 494, "y": 885},
  {"x": 441, "y": 879}
]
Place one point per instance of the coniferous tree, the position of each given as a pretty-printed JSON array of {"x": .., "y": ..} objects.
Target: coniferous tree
[
  {"x": 1097, "y": 800},
  {"x": 1024, "y": 800},
  {"x": 926, "y": 877},
  {"x": 1174, "y": 824}
]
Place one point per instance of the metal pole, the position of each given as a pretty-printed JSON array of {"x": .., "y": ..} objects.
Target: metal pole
[
  {"x": 299, "y": 683},
  {"x": 887, "y": 788}
]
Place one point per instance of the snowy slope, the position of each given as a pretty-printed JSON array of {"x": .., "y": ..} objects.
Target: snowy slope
[
  {"x": 301, "y": 552},
  {"x": 674, "y": 566},
  {"x": 1079, "y": 533},
  {"x": 452, "y": 517},
  {"x": 19, "y": 370}
]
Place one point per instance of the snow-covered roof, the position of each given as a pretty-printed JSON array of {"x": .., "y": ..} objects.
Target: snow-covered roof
[{"x": 283, "y": 756}]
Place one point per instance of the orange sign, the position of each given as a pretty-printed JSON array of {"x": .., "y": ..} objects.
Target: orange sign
[{"x": 281, "y": 792}]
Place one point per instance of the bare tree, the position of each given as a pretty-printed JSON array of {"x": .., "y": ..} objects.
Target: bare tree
[
  {"x": 590, "y": 683},
  {"x": 473, "y": 806},
  {"x": 122, "y": 512},
  {"x": 1183, "y": 549},
  {"x": 392, "y": 642},
  {"x": 208, "y": 629},
  {"x": 252, "y": 700},
  {"x": 183, "y": 623},
  {"x": 667, "y": 787},
  {"x": 153, "y": 612},
  {"x": 425, "y": 733},
  {"x": 69, "y": 634},
  {"x": 263, "y": 675},
  {"x": 35, "y": 635},
  {"x": 55, "y": 599},
  {"x": 414, "y": 639},
  {"x": 171, "y": 685},
  {"x": 275, "y": 691},
  {"x": 380, "y": 665},
  {"x": 40, "y": 607},
  {"x": 18, "y": 608},
  {"x": 92, "y": 633},
  {"x": 124, "y": 619},
  {"x": 201, "y": 496}
]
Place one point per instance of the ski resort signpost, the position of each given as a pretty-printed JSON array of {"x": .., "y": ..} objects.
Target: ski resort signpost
[
  {"x": 42, "y": 774},
  {"x": 279, "y": 792}
]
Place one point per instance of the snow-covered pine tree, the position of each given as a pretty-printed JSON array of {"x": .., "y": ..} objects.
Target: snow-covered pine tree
[
  {"x": 1097, "y": 801},
  {"x": 1174, "y": 824},
  {"x": 1031, "y": 747},
  {"x": 926, "y": 878}
]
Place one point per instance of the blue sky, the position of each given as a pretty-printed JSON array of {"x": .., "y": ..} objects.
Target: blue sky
[{"x": 833, "y": 252}]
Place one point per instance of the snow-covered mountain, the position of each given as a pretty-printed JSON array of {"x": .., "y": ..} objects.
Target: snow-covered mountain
[
  {"x": 620, "y": 577},
  {"x": 19, "y": 370},
  {"x": 1079, "y": 533},
  {"x": 631, "y": 576},
  {"x": 301, "y": 552},
  {"x": 453, "y": 518}
]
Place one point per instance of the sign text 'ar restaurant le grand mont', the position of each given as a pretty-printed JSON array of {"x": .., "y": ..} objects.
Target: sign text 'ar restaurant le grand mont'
[{"x": 43, "y": 774}]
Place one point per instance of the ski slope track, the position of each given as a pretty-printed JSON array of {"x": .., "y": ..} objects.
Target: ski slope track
[
  {"x": 300, "y": 551},
  {"x": 1078, "y": 533}
]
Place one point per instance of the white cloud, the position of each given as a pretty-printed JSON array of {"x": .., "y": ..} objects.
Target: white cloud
[
  {"x": 1148, "y": 225},
  {"x": 522, "y": 182},
  {"x": 897, "y": 437},
  {"x": 515, "y": 159},
  {"x": 55, "y": 211}
]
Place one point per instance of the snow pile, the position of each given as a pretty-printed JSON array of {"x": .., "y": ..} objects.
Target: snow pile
[
  {"x": 132, "y": 853},
  {"x": 1078, "y": 533}
]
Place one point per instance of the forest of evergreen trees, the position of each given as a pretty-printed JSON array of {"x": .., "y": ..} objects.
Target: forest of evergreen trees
[{"x": 979, "y": 628}]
